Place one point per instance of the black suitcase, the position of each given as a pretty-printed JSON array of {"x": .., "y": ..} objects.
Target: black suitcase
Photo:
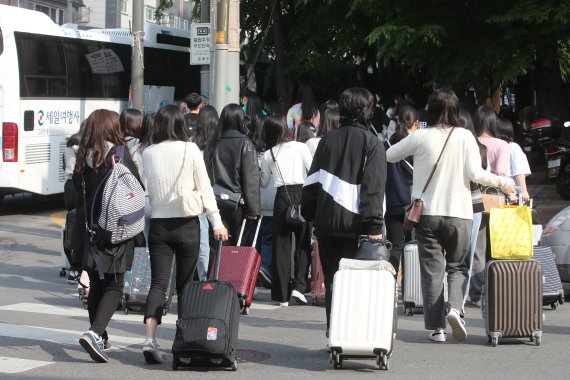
[{"x": 207, "y": 325}]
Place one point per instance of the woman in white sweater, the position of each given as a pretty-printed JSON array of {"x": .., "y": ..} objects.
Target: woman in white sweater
[
  {"x": 179, "y": 191},
  {"x": 444, "y": 230}
]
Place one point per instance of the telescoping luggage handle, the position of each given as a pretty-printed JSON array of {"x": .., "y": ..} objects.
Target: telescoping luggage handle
[{"x": 220, "y": 244}]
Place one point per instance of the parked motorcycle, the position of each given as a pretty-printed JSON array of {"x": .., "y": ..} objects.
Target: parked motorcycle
[
  {"x": 558, "y": 159},
  {"x": 538, "y": 138}
]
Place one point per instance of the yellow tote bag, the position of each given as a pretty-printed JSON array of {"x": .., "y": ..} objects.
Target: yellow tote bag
[{"x": 510, "y": 229}]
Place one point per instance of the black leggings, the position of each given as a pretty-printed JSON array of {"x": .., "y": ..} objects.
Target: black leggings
[
  {"x": 104, "y": 297},
  {"x": 281, "y": 254},
  {"x": 169, "y": 238}
]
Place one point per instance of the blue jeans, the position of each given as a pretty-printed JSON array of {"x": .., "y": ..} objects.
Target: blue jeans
[
  {"x": 474, "y": 232},
  {"x": 204, "y": 255},
  {"x": 265, "y": 242}
]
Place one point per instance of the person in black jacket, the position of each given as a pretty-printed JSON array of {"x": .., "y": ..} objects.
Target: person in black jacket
[
  {"x": 101, "y": 135},
  {"x": 231, "y": 161},
  {"x": 344, "y": 191}
]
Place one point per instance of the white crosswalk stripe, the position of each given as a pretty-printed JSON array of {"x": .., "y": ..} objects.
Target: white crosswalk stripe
[{"x": 15, "y": 365}]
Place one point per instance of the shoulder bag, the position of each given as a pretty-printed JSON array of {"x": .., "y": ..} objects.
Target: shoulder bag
[
  {"x": 414, "y": 212},
  {"x": 293, "y": 215}
]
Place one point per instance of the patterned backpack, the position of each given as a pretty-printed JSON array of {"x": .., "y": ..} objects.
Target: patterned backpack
[{"x": 122, "y": 203}]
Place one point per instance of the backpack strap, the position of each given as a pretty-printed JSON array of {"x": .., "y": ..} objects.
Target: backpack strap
[{"x": 119, "y": 154}]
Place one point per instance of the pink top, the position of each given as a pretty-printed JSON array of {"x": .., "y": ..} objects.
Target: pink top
[{"x": 498, "y": 154}]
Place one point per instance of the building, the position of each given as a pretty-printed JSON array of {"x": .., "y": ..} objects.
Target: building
[
  {"x": 60, "y": 11},
  {"x": 107, "y": 13}
]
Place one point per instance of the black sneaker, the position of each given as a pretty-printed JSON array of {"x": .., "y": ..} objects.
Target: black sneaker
[
  {"x": 265, "y": 278},
  {"x": 94, "y": 345}
]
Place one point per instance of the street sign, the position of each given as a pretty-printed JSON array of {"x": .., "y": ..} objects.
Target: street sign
[{"x": 200, "y": 41}]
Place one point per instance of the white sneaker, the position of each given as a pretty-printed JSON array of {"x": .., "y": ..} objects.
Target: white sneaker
[
  {"x": 438, "y": 335},
  {"x": 151, "y": 353},
  {"x": 299, "y": 297},
  {"x": 457, "y": 325},
  {"x": 283, "y": 304}
]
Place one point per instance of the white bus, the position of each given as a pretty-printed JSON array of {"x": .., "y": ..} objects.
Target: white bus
[{"x": 53, "y": 77}]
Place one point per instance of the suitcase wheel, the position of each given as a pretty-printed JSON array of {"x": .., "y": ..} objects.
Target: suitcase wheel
[
  {"x": 245, "y": 310},
  {"x": 336, "y": 359},
  {"x": 165, "y": 311},
  {"x": 553, "y": 305},
  {"x": 234, "y": 365},
  {"x": 383, "y": 362},
  {"x": 494, "y": 342},
  {"x": 561, "y": 299},
  {"x": 175, "y": 363},
  {"x": 537, "y": 340},
  {"x": 409, "y": 311},
  {"x": 62, "y": 273}
]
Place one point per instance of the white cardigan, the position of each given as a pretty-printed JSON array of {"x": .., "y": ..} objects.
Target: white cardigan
[
  {"x": 176, "y": 183},
  {"x": 448, "y": 193}
]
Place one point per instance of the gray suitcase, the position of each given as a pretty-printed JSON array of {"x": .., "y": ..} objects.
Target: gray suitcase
[{"x": 552, "y": 291}]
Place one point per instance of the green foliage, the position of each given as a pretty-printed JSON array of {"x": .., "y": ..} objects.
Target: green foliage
[{"x": 161, "y": 7}]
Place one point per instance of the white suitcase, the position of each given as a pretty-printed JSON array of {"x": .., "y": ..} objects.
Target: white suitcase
[
  {"x": 363, "y": 312},
  {"x": 412, "y": 284}
]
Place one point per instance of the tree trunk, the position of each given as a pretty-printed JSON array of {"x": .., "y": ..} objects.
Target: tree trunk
[
  {"x": 551, "y": 98},
  {"x": 280, "y": 78},
  {"x": 482, "y": 89}
]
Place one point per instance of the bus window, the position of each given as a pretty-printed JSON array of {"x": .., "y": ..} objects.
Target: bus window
[{"x": 42, "y": 66}]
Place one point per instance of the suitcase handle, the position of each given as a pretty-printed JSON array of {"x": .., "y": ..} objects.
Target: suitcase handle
[
  {"x": 256, "y": 231},
  {"x": 218, "y": 260}
]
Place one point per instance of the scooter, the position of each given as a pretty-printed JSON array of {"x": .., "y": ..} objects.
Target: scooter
[
  {"x": 558, "y": 161},
  {"x": 539, "y": 139}
]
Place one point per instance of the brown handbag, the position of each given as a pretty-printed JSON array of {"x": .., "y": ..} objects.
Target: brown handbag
[
  {"x": 492, "y": 198},
  {"x": 415, "y": 211}
]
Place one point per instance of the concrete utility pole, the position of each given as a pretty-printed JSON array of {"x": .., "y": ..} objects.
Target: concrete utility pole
[
  {"x": 137, "y": 59},
  {"x": 224, "y": 85},
  {"x": 70, "y": 11},
  {"x": 205, "y": 69}
]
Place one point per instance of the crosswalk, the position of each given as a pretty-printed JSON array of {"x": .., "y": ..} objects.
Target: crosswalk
[{"x": 67, "y": 337}]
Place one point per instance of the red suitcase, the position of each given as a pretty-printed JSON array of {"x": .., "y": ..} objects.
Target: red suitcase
[
  {"x": 317, "y": 276},
  {"x": 240, "y": 267}
]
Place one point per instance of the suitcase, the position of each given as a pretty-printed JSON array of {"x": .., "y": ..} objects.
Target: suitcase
[
  {"x": 536, "y": 233},
  {"x": 317, "y": 275},
  {"x": 208, "y": 323},
  {"x": 412, "y": 282},
  {"x": 552, "y": 291},
  {"x": 512, "y": 300},
  {"x": 137, "y": 283},
  {"x": 240, "y": 266},
  {"x": 363, "y": 312}
]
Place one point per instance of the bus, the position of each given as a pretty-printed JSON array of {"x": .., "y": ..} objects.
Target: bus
[{"x": 52, "y": 77}]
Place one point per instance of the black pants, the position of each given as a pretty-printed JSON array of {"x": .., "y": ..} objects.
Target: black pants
[
  {"x": 331, "y": 251},
  {"x": 281, "y": 254},
  {"x": 171, "y": 238},
  {"x": 396, "y": 234},
  {"x": 232, "y": 220},
  {"x": 104, "y": 297}
]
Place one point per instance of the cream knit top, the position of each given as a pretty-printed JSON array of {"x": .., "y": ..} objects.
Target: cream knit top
[
  {"x": 448, "y": 193},
  {"x": 177, "y": 182}
]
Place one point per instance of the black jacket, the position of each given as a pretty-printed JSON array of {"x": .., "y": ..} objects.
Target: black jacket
[
  {"x": 234, "y": 166},
  {"x": 398, "y": 186},
  {"x": 344, "y": 191},
  {"x": 92, "y": 180}
]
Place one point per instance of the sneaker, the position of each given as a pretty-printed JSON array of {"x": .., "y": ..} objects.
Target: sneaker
[
  {"x": 457, "y": 325},
  {"x": 283, "y": 304},
  {"x": 151, "y": 353},
  {"x": 265, "y": 278},
  {"x": 438, "y": 335},
  {"x": 94, "y": 345},
  {"x": 299, "y": 297}
]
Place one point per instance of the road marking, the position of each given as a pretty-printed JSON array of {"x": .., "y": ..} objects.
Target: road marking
[
  {"x": 78, "y": 311},
  {"x": 59, "y": 336},
  {"x": 15, "y": 365},
  {"x": 58, "y": 217}
]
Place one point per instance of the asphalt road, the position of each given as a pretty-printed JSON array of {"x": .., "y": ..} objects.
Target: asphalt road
[{"x": 41, "y": 320}]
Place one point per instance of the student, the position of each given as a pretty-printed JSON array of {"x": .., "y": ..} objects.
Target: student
[
  {"x": 344, "y": 191},
  {"x": 231, "y": 161},
  {"x": 179, "y": 191},
  {"x": 305, "y": 109},
  {"x": 398, "y": 185},
  {"x": 131, "y": 121},
  {"x": 101, "y": 135},
  {"x": 287, "y": 162},
  {"x": 444, "y": 230},
  {"x": 329, "y": 121},
  {"x": 193, "y": 104}
]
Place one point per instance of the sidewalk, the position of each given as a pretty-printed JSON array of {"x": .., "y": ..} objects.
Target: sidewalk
[{"x": 547, "y": 201}]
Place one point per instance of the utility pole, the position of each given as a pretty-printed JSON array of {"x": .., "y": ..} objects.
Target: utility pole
[
  {"x": 233, "y": 82},
  {"x": 137, "y": 58},
  {"x": 205, "y": 69},
  {"x": 70, "y": 11}
]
